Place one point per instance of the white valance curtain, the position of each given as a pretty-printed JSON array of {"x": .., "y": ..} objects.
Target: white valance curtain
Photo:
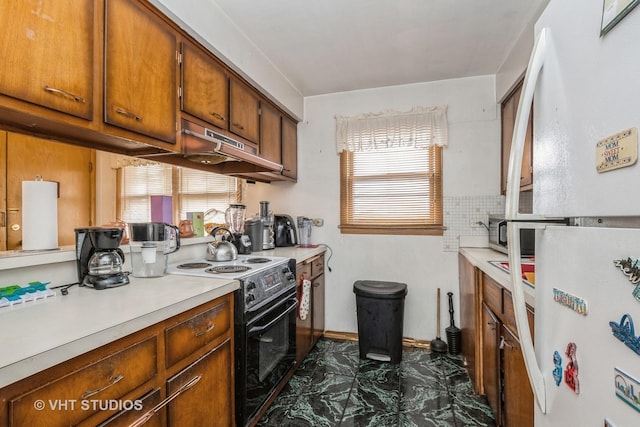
[{"x": 420, "y": 127}]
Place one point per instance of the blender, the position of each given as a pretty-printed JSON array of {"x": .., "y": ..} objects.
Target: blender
[
  {"x": 99, "y": 259},
  {"x": 304, "y": 231},
  {"x": 268, "y": 236},
  {"x": 150, "y": 244},
  {"x": 235, "y": 216}
]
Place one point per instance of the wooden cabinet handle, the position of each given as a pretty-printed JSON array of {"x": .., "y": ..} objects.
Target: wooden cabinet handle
[
  {"x": 64, "y": 93},
  {"x": 210, "y": 328},
  {"x": 114, "y": 380},
  {"x": 128, "y": 114},
  {"x": 239, "y": 126},
  {"x": 148, "y": 415},
  {"x": 218, "y": 116}
]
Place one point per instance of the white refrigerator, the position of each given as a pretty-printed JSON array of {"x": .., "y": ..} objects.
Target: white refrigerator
[{"x": 584, "y": 367}]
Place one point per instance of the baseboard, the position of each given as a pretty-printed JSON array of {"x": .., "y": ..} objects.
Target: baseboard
[{"x": 352, "y": 336}]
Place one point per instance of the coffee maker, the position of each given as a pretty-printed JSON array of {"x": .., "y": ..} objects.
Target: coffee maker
[
  {"x": 99, "y": 259},
  {"x": 235, "y": 217}
]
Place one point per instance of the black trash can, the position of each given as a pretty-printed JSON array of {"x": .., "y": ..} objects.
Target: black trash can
[{"x": 380, "y": 311}]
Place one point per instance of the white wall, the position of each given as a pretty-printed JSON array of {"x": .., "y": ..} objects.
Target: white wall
[{"x": 471, "y": 167}]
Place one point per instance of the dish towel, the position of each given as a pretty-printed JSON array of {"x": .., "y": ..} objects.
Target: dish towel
[{"x": 303, "y": 309}]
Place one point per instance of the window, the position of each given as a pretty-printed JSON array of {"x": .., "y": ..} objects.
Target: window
[
  {"x": 191, "y": 191},
  {"x": 391, "y": 172}
]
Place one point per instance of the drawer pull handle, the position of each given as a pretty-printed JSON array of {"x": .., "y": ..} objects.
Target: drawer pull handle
[
  {"x": 239, "y": 126},
  {"x": 113, "y": 381},
  {"x": 210, "y": 328},
  {"x": 218, "y": 116},
  {"x": 147, "y": 416},
  {"x": 64, "y": 93},
  {"x": 128, "y": 114}
]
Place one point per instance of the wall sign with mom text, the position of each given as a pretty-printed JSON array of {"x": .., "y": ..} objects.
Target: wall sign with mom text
[{"x": 613, "y": 11}]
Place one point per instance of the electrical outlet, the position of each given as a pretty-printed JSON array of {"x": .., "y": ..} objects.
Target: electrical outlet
[{"x": 318, "y": 222}]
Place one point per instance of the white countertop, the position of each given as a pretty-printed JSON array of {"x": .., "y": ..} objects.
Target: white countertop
[
  {"x": 40, "y": 334},
  {"x": 481, "y": 257}
]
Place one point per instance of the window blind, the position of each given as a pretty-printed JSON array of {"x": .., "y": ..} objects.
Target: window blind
[{"x": 391, "y": 190}]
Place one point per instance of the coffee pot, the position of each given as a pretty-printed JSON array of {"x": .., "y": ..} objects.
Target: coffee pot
[
  {"x": 98, "y": 257},
  {"x": 150, "y": 244}
]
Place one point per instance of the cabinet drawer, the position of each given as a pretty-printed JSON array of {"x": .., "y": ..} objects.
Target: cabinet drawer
[
  {"x": 71, "y": 399},
  {"x": 317, "y": 266},
  {"x": 509, "y": 316},
  {"x": 303, "y": 270},
  {"x": 193, "y": 333},
  {"x": 492, "y": 294},
  {"x": 127, "y": 417}
]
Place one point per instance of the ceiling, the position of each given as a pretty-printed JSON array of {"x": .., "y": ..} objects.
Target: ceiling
[{"x": 327, "y": 46}]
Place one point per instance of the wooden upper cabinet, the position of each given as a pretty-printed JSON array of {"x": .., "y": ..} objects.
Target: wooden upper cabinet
[
  {"x": 509, "y": 109},
  {"x": 47, "y": 54},
  {"x": 289, "y": 148},
  {"x": 205, "y": 87},
  {"x": 270, "y": 133},
  {"x": 244, "y": 111},
  {"x": 140, "y": 71}
]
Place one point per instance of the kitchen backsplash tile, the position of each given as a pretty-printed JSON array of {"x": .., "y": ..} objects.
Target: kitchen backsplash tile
[{"x": 462, "y": 214}]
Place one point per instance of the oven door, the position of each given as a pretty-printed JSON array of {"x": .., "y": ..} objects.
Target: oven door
[{"x": 269, "y": 353}]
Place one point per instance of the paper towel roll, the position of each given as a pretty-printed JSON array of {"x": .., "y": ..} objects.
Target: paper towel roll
[{"x": 39, "y": 215}]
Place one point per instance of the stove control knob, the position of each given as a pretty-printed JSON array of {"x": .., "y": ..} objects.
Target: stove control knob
[
  {"x": 250, "y": 298},
  {"x": 250, "y": 286}
]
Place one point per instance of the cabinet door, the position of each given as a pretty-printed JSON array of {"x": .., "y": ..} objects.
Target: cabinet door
[
  {"x": 47, "y": 54},
  {"x": 509, "y": 109},
  {"x": 205, "y": 87},
  {"x": 490, "y": 359},
  {"x": 317, "y": 287},
  {"x": 244, "y": 111},
  {"x": 289, "y": 148},
  {"x": 140, "y": 71},
  {"x": 469, "y": 313},
  {"x": 210, "y": 401},
  {"x": 270, "y": 133},
  {"x": 69, "y": 165},
  {"x": 518, "y": 396}
]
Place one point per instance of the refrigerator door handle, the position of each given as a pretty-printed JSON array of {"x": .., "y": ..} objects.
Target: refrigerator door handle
[
  {"x": 520, "y": 310},
  {"x": 512, "y": 205}
]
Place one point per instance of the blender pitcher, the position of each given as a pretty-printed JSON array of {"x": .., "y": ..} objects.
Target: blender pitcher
[
  {"x": 150, "y": 244},
  {"x": 235, "y": 216}
]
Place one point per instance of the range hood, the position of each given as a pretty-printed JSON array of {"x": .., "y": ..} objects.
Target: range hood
[{"x": 208, "y": 147}]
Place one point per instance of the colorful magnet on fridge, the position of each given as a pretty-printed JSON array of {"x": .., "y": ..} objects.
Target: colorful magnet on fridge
[
  {"x": 630, "y": 268},
  {"x": 571, "y": 371},
  {"x": 625, "y": 332},
  {"x": 627, "y": 388},
  {"x": 636, "y": 293},
  {"x": 557, "y": 370},
  {"x": 608, "y": 423}
]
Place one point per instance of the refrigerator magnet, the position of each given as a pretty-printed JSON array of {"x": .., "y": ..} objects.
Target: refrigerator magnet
[
  {"x": 573, "y": 302},
  {"x": 557, "y": 370},
  {"x": 636, "y": 293},
  {"x": 625, "y": 332},
  {"x": 629, "y": 268},
  {"x": 608, "y": 423},
  {"x": 571, "y": 371},
  {"x": 627, "y": 388}
]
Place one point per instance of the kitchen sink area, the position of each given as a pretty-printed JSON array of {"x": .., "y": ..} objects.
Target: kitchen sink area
[{"x": 528, "y": 267}]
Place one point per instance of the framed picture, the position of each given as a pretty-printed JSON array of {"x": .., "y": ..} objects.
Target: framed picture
[{"x": 613, "y": 11}]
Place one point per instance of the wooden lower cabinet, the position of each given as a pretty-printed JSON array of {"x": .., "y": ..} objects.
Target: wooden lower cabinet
[
  {"x": 491, "y": 347},
  {"x": 491, "y": 359},
  {"x": 121, "y": 382},
  {"x": 203, "y": 390},
  {"x": 310, "y": 329}
]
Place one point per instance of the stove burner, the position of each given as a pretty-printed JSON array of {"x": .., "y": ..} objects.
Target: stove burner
[
  {"x": 227, "y": 269},
  {"x": 257, "y": 260},
  {"x": 193, "y": 265}
]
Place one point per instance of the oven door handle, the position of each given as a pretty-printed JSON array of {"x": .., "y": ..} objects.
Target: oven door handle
[{"x": 259, "y": 329}]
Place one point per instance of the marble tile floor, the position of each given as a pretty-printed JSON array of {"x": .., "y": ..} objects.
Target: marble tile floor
[{"x": 333, "y": 387}]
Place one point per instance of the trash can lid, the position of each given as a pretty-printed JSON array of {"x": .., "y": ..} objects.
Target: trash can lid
[{"x": 380, "y": 289}]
